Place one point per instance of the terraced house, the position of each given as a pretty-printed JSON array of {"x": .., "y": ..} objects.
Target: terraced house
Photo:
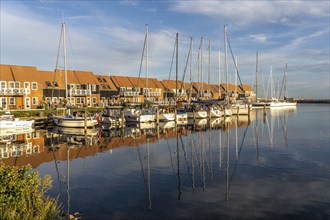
[
  {"x": 20, "y": 87},
  {"x": 25, "y": 87}
]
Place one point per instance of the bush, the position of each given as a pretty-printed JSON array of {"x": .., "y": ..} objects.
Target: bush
[{"x": 22, "y": 195}]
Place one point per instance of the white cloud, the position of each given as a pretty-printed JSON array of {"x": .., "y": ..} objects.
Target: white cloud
[
  {"x": 260, "y": 38},
  {"x": 252, "y": 12}
]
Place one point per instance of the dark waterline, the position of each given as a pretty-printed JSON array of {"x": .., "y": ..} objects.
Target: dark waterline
[{"x": 276, "y": 168}]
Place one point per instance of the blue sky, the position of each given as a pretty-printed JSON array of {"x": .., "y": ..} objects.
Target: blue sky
[{"x": 106, "y": 37}]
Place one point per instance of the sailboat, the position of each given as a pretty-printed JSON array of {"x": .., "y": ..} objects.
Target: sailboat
[
  {"x": 134, "y": 111},
  {"x": 276, "y": 103},
  {"x": 70, "y": 120},
  {"x": 258, "y": 103},
  {"x": 196, "y": 109}
]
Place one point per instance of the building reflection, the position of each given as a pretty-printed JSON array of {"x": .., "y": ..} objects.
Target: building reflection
[{"x": 36, "y": 147}]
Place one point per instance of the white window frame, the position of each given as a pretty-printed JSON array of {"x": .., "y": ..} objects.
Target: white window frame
[
  {"x": 94, "y": 100},
  {"x": 27, "y": 102},
  {"x": 12, "y": 99},
  {"x": 3, "y": 84},
  {"x": 34, "y": 86},
  {"x": 3, "y": 103},
  {"x": 35, "y": 101},
  {"x": 26, "y": 85},
  {"x": 11, "y": 84},
  {"x": 94, "y": 88},
  {"x": 29, "y": 148}
]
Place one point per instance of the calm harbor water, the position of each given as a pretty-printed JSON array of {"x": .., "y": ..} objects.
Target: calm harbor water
[{"x": 274, "y": 167}]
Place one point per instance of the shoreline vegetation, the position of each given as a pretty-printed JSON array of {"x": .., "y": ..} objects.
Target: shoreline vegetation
[{"x": 22, "y": 195}]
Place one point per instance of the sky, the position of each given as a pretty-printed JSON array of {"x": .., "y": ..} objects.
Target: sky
[{"x": 108, "y": 37}]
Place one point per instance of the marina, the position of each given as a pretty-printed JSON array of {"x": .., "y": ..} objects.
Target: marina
[{"x": 203, "y": 169}]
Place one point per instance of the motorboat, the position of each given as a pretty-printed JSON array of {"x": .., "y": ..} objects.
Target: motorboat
[
  {"x": 111, "y": 115},
  {"x": 137, "y": 115},
  {"x": 75, "y": 121},
  {"x": 8, "y": 121}
]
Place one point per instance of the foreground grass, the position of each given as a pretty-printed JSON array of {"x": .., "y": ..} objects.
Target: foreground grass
[{"x": 22, "y": 195}]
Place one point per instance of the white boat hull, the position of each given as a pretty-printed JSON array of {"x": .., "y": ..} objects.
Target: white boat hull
[
  {"x": 110, "y": 120},
  {"x": 167, "y": 117},
  {"x": 197, "y": 114},
  {"x": 282, "y": 104},
  {"x": 135, "y": 116},
  {"x": 216, "y": 113},
  {"x": 74, "y": 122},
  {"x": 16, "y": 124}
]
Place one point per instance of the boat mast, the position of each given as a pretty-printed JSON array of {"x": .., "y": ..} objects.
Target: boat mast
[
  {"x": 226, "y": 62},
  {"x": 65, "y": 67},
  {"x": 236, "y": 78},
  {"x": 147, "y": 39},
  {"x": 209, "y": 70},
  {"x": 190, "y": 65},
  {"x": 176, "y": 68},
  {"x": 219, "y": 73},
  {"x": 257, "y": 76}
]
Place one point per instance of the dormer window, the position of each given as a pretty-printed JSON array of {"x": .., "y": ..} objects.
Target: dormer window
[
  {"x": 104, "y": 80},
  {"x": 99, "y": 79},
  {"x": 49, "y": 84},
  {"x": 55, "y": 84},
  {"x": 108, "y": 86}
]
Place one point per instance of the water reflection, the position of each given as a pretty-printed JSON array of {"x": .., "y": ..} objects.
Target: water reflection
[{"x": 201, "y": 169}]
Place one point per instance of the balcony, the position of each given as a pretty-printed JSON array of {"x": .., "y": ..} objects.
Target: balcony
[
  {"x": 14, "y": 91},
  {"x": 79, "y": 92},
  {"x": 129, "y": 93},
  {"x": 152, "y": 94}
]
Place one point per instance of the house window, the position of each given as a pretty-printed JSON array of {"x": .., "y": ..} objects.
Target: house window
[
  {"x": 78, "y": 86},
  {"x": 34, "y": 100},
  {"x": 55, "y": 84},
  {"x": 12, "y": 101},
  {"x": 36, "y": 149},
  {"x": 35, "y": 135},
  {"x": 122, "y": 89},
  {"x": 29, "y": 148},
  {"x": 108, "y": 86},
  {"x": 26, "y": 85},
  {"x": 104, "y": 80},
  {"x": 71, "y": 100},
  {"x": 34, "y": 86},
  {"x": 94, "y": 100},
  {"x": 11, "y": 84},
  {"x": 103, "y": 86},
  {"x": 2, "y": 84},
  {"x": 3, "y": 102},
  {"x": 94, "y": 88},
  {"x": 28, "y": 136},
  {"x": 71, "y": 86},
  {"x": 80, "y": 100},
  {"x": 99, "y": 79}
]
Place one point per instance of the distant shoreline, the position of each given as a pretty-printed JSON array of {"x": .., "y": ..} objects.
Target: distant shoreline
[{"x": 325, "y": 101}]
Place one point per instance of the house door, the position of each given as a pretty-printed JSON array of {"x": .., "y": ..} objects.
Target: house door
[
  {"x": 3, "y": 103},
  {"x": 27, "y": 103}
]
